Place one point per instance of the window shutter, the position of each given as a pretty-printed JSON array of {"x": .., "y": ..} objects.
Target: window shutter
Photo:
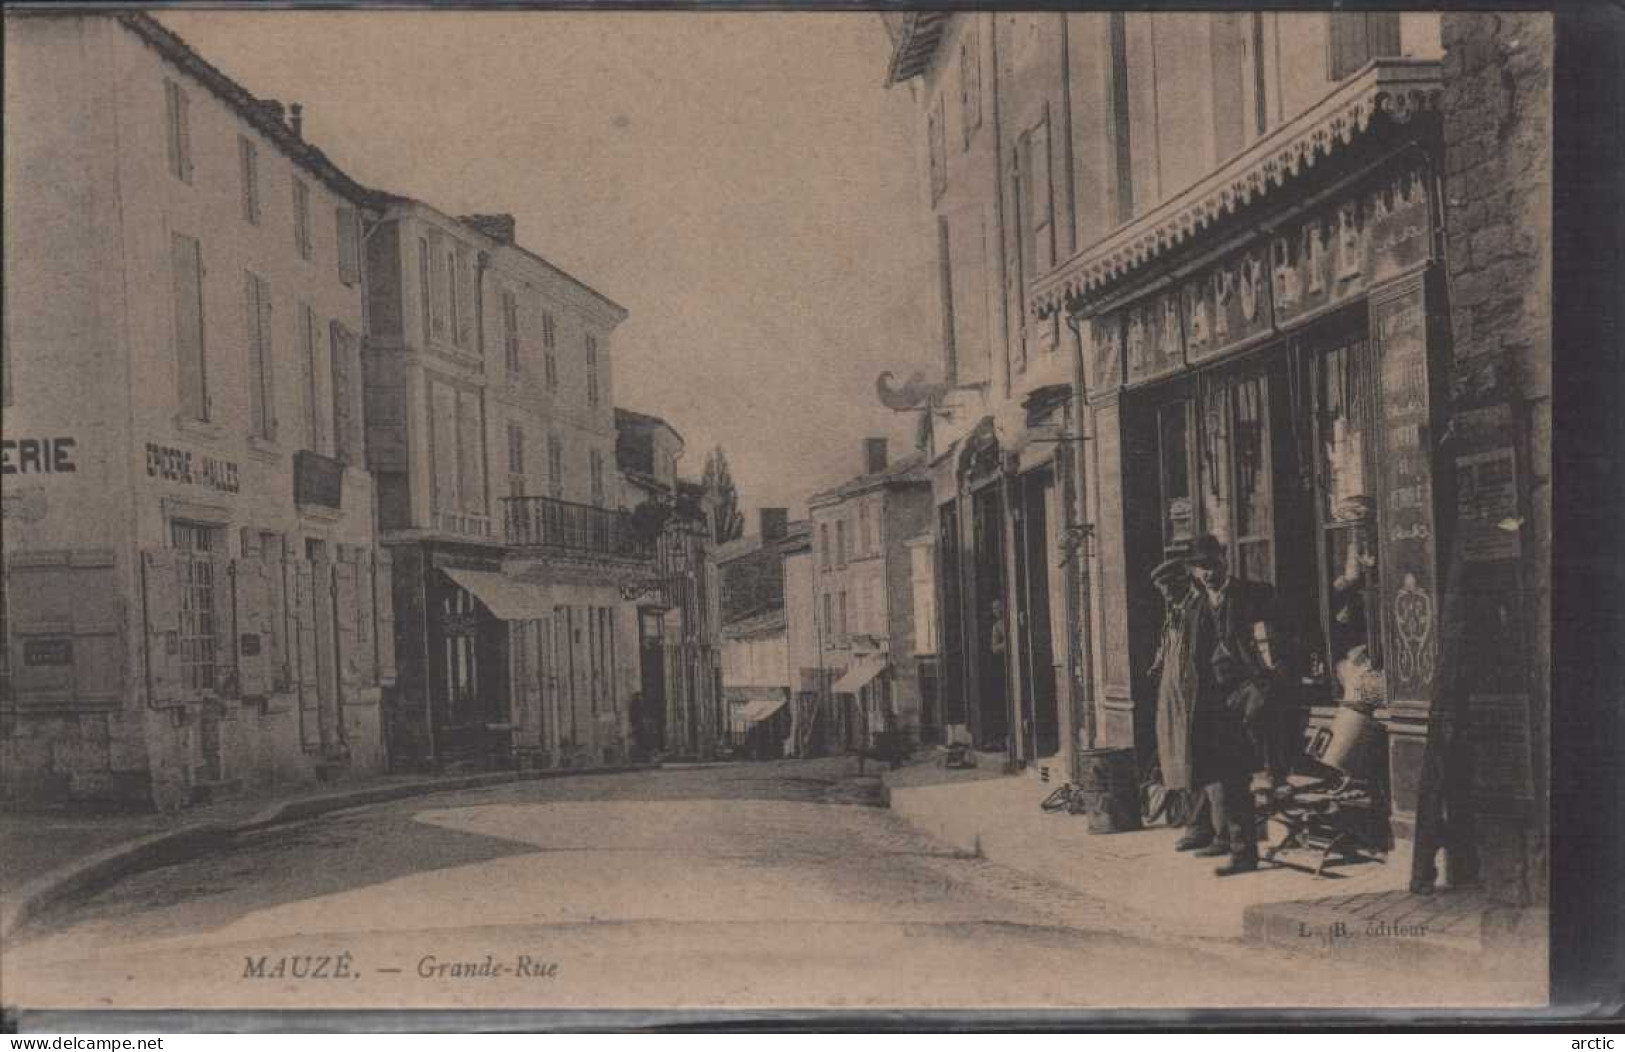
[
  {"x": 188, "y": 267},
  {"x": 346, "y": 585},
  {"x": 267, "y": 360},
  {"x": 384, "y": 615},
  {"x": 347, "y": 444},
  {"x": 252, "y": 612},
  {"x": 349, "y": 233},
  {"x": 307, "y": 679},
  {"x": 160, "y": 585},
  {"x": 465, "y": 299},
  {"x": 185, "y": 133}
]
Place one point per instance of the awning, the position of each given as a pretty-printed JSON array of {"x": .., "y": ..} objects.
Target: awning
[
  {"x": 862, "y": 671},
  {"x": 760, "y": 709},
  {"x": 508, "y": 599}
]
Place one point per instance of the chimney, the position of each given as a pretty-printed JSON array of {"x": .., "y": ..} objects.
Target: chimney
[
  {"x": 296, "y": 119},
  {"x": 874, "y": 456},
  {"x": 498, "y": 226},
  {"x": 774, "y": 523}
]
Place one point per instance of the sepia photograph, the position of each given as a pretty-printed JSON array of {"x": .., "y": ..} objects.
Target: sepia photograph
[{"x": 792, "y": 511}]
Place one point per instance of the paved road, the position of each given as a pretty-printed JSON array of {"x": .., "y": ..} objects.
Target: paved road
[{"x": 770, "y": 885}]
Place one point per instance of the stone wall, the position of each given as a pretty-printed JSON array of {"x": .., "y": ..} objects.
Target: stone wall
[{"x": 1497, "y": 118}]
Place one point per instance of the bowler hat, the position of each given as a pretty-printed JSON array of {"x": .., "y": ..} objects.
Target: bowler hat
[
  {"x": 1168, "y": 570},
  {"x": 1206, "y": 551}
]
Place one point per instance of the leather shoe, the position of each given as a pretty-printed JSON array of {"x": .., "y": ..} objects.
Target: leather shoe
[
  {"x": 1213, "y": 851},
  {"x": 1191, "y": 843},
  {"x": 1236, "y": 865}
]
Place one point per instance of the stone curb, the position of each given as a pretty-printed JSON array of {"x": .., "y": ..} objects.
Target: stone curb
[{"x": 35, "y": 898}]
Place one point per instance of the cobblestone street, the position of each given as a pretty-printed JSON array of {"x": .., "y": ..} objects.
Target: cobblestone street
[{"x": 768, "y": 885}]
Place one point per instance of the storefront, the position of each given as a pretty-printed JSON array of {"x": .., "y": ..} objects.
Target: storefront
[{"x": 1278, "y": 385}]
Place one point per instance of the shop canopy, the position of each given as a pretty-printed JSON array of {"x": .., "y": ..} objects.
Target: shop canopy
[
  {"x": 758, "y": 709},
  {"x": 858, "y": 676},
  {"x": 511, "y": 599}
]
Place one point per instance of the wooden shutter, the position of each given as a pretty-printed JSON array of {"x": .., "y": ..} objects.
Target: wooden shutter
[
  {"x": 160, "y": 585},
  {"x": 253, "y": 610},
  {"x": 384, "y": 615},
  {"x": 346, "y": 396},
  {"x": 347, "y": 594},
  {"x": 188, "y": 265},
  {"x": 1357, "y": 37},
  {"x": 225, "y": 625},
  {"x": 306, "y": 674},
  {"x": 465, "y": 299},
  {"x": 349, "y": 236},
  {"x": 262, "y": 378}
]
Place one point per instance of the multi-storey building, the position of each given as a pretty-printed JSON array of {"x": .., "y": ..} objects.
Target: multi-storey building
[
  {"x": 192, "y": 602},
  {"x": 491, "y": 427},
  {"x": 1220, "y": 305},
  {"x": 679, "y": 615},
  {"x": 864, "y": 608},
  {"x": 756, "y": 672}
]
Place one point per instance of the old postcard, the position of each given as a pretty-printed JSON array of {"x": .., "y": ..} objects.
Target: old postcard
[{"x": 776, "y": 510}]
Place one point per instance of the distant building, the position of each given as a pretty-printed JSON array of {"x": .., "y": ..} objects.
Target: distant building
[
  {"x": 678, "y": 708},
  {"x": 192, "y": 600},
  {"x": 491, "y": 427},
  {"x": 756, "y": 673},
  {"x": 864, "y": 600}
]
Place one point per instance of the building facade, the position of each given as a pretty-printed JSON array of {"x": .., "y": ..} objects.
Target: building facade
[
  {"x": 1245, "y": 238},
  {"x": 193, "y": 600},
  {"x": 679, "y": 614},
  {"x": 491, "y": 430},
  {"x": 862, "y": 571},
  {"x": 757, "y": 681}
]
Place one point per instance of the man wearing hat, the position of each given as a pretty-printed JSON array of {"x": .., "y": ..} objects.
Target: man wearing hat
[
  {"x": 1233, "y": 676},
  {"x": 1174, "y": 672}
]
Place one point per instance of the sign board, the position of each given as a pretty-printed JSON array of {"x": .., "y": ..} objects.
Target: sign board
[
  {"x": 1154, "y": 339},
  {"x": 48, "y": 652},
  {"x": 1103, "y": 358},
  {"x": 1488, "y": 525},
  {"x": 191, "y": 469},
  {"x": 1226, "y": 306}
]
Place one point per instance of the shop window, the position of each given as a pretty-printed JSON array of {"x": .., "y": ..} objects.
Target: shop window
[
  {"x": 1346, "y": 520},
  {"x": 1173, "y": 451}
]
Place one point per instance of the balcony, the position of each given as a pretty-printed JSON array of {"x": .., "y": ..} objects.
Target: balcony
[{"x": 581, "y": 529}]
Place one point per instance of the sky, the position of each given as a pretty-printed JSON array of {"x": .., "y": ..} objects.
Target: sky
[{"x": 742, "y": 183}]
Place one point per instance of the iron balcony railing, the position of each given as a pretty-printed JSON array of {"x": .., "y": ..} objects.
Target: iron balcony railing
[{"x": 544, "y": 522}]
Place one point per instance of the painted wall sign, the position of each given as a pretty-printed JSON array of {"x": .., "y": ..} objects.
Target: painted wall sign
[
  {"x": 183, "y": 466},
  {"x": 1225, "y": 307},
  {"x": 1400, "y": 327},
  {"x": 1488, "y": 526},
  {"x": 48, "y": 652},
  {"x": 1154, "y": 339},
  {"x": 37, "y": 456},
  {"x": 1103, "y": 364}
]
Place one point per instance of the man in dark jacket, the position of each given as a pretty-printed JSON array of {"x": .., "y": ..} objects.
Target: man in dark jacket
[{"x": 1233, "y": 687}]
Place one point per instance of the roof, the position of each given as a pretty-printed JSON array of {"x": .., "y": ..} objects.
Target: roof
[
  {"x": 914, "y": 41},
  {"x": 740, "y": 547},
  {"x": 765, "y": 623},
  {"x": 906, "y": 471},
  {"x": 632, "y": 418},
  {"x": 262, "y": 114},
  {"x": 384, "y": 199}
]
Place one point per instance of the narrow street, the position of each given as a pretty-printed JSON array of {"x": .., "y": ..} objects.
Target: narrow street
[{"x": 768, "y": 885}]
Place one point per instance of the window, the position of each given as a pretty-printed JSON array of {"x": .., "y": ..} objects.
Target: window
[
  {"x": 550, "y": 360},
  {"x": 510, "y": 331},
  {"x": 198, "y": 635},
  {"x": 945, "y": 281},
  {"x": 516, "y": 461},
  {"x": 179, "y": 125},
  {"x": 841, "y": 626},
  {"x": 425, "y": 287},
  {"x": 829, "y": 617},
  {"x": 970, "y": 85},
  {"x": 438, "y": 277},
  {"x": 1345, "y": 511},
  {"x": 592, "y": 370},
  {"x": 463, "y": 299},
  {"x": 309, "y": 355},
  {"x": 301, "y": 218},
  {"x": 1357, "y": 37},
  {"x": 1123, "y": 153},
  {"x": 1036, "y": 200},
  {"x": 454, "y": 297},
  {"x": 937, "y": 137},
  {"x": 345, "y": 349},
  {"x": 261, "y": 376},
  {"x": 596, "y": 464},
  {"x": 555, "y": 467},
  {"x": 865, "y": 541},
  {"x": 248, "y": 155},
  {"x": 187, "y": 257},
  {"x": 823, "y": 544},
  {"x": 840, "y": 541},
  {"x": 348, "y": 222}
]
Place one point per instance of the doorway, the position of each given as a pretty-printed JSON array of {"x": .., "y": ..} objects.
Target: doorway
[
  {"x": 990, "y": 709},
  {"x": 1040, "y": 714}
]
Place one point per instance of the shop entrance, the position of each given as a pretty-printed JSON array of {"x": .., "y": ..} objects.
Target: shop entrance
[
  {"x": 1041, "y": 725},
  {"x": 990, "y": 707}
]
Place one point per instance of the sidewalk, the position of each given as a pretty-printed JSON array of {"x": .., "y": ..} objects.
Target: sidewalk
[
  {"x": 48, "y": 855},
  {"x": 1359, "y": 910}
]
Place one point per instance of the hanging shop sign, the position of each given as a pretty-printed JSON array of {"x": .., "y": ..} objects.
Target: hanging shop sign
[
  {"x": 1154, "y": 339},
  {"x": 1226, "y": 306},
  {"x": 1488, "y": 526},
  {"x": 1399, "y": 324},
  {"x": 191, "y": 469}
]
